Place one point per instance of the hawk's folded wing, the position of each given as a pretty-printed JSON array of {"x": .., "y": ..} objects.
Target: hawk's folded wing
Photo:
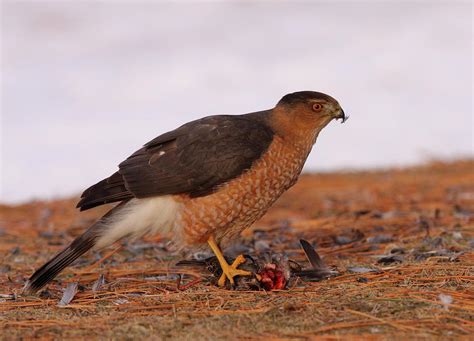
[{"x": 193, "y": 159}]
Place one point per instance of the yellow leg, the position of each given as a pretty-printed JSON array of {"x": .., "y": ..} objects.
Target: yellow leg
[{"x": 228, "y": 271}]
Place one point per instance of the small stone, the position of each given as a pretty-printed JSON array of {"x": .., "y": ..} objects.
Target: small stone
[
  {"x": 5, "y": 268},
  {"x": 46, "y": 234},
  {"x": 342, "y": 240},
  {"x": 381, "y": 238},
  {"x": 390, "y": 259},
  {"x": 262, "y": 245}
]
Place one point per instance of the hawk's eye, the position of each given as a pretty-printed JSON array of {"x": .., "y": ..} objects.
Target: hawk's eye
[{"x": 317, "y": 107}]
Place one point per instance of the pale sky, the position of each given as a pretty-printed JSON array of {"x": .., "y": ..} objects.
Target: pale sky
[{"x": 84, "y": 84}]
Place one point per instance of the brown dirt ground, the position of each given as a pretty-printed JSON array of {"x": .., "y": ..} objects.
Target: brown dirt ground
[{"x": 426, "y": 211}]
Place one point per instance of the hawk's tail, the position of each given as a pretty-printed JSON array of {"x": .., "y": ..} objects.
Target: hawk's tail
[
  {"x": 77, "y": 248},
  {"x": 51, "y": 269},
  {"x": 129, "y": 218}
]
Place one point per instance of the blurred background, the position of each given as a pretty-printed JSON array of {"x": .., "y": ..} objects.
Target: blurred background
[{"x": 85, "y": 84}]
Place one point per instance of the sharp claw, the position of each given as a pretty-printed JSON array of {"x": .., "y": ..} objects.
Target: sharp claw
[{"x": 232, "y": 272}]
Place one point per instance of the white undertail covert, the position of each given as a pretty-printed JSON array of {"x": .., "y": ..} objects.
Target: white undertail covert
[{"x": 139, "y": 217}]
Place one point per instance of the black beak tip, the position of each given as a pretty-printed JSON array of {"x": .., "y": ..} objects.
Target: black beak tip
[{"x": 342, "y": 116}]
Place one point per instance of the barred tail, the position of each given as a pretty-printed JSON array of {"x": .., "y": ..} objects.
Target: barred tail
[
  {"x": 51, "y": 269},
  {"x": 134, "y": 218},
  {"x": 77, "y": 248}
]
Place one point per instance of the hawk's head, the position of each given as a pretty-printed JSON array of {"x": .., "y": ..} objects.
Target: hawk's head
[{"x": 306, "y": 112}]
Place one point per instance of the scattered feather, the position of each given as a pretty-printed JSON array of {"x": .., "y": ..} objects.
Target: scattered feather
[
  {"x": 68, "y": 295},
  {"x": 319, "y": 269},
  {"x": 160, "y": 278},
  {"x": 446, "y": 300},
  {"x": 99, "y": 283},
  {"x": 121, "y": 301},
  {"x": 361, "y": 270},
  {"x": 313, "y": 257},
  {"x": 202, "y": 255},
  {"x": 8, "y": 296}
]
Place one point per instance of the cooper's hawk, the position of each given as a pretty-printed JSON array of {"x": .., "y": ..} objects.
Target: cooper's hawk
[{"x": 204, "y": 182}]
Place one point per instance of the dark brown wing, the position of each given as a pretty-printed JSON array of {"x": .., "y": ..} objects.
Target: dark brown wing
[{"x": 193, "y": 159}]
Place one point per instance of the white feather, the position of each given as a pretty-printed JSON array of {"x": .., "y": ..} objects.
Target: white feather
[{"x": 138, "y": 217}]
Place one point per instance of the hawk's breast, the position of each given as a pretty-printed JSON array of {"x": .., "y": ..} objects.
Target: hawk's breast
[{"x": 240, "y": 202}]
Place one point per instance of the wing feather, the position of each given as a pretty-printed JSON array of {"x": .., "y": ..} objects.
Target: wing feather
[{"x": 193, "y": 159}]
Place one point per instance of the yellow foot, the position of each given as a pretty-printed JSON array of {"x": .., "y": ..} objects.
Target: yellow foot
[{"x": 230, "y": 271}]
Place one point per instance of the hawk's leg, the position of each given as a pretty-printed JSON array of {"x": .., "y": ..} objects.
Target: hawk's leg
[{"x": 228, "y": 271}]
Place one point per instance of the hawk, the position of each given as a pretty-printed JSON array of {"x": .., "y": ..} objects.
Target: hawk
[{"x": 204, "y": 182}]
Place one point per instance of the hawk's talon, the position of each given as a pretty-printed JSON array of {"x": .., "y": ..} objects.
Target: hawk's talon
[
  {"x": 228, "y": 271},
  {"x": 231, "y": 271}
]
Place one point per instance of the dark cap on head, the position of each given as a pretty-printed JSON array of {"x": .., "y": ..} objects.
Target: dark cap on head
[{"x": 303, "y": 97}]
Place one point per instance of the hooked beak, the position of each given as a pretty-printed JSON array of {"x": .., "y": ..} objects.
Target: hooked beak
[{"x": 342, "y": 115}]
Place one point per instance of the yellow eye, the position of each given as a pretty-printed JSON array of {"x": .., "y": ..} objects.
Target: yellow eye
[{"x": 317, "y": 107}]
